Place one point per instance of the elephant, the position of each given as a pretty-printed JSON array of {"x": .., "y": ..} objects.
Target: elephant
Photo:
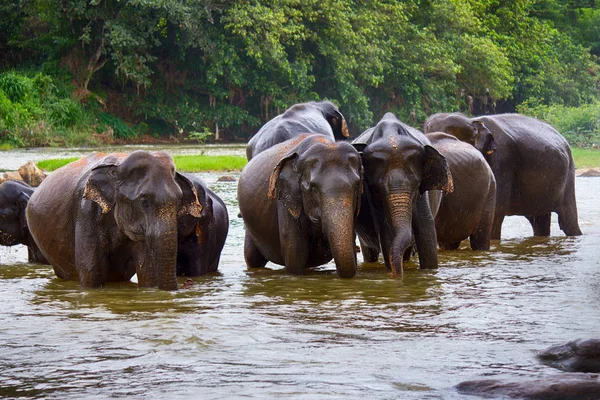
[
  {"x": 299, "y": 200},
  {"x": 201, "y": 239},
  {"x": 468, "y": 211},
  {"x": 400, "y": 167},
  {"x": 322, "y": 117},
  {"x": 106, "y": 217},
  {"x": 14, "y": 196},
  {"x": 532, "y": 165}
]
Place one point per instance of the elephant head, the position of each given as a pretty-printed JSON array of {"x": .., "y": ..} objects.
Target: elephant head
[
  {"x": 399, "y": 168},
  {"x": 145, "y": 195},
  {"x": 14, "y": 197},
  {"x": 322, "y": 183},
  {"x": 471, "y": 131},
  {"x": 334, "y": 117}
]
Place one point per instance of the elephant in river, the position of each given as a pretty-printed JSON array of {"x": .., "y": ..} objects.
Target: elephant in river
[
  {"x": 532, "y": 165},
  {"x": 14, "y": 196},
  {"x": 400, "y": 167},
  {"x": 468, "y": 211},
  {"x": 322, "y": 117},
  {"x": 104, "y": 218},
  {"x": 201, "y": 239},
  {"x": 299, "y": 200}
]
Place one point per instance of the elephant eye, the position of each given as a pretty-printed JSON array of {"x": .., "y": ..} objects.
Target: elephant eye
[{"x": 145, "y": 203}]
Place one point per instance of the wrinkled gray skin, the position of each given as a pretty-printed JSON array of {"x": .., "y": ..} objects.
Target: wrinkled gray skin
[
  {"x": 104, "y": 218},
  {"x": 557, "y": 387},
  {"x": 322, "y": 117},
  {"x": 532, "y": 164},
  {"x": 14, "y": 196},
  {"x": 201, "y": 239},
  {"x": 299, "y": 200},
  {"x": 400, "y": 167},
  {"x": 468, "y": 211},
  {"x": 575, "y": 356}
]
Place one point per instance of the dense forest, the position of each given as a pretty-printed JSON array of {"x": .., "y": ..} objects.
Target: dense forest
[{"x": 84, "y": 71}]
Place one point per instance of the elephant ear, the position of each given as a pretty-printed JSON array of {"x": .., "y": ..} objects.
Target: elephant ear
[
  {"x": 100, "y": 186},
  {"x": 284, "y": 185},
  {"x": 436, "y": 174},
  {"x": 190, "y": 203},
  {"x": 484, "y": 139},
  {"x": 338, "y": 124},
  {"x": 22, "y": 202}
]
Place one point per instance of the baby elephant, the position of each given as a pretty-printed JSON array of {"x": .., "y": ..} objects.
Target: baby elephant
[
  {"x": 467, "y": 212},
  {"x": 14, "y": 196},
  {"x": 201, "y": 239}
]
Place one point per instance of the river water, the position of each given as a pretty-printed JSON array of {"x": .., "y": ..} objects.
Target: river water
[{"x": 261, "y": 334}]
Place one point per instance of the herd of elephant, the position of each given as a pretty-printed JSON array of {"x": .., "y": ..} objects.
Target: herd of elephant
[{"x": 305, "y": 195}]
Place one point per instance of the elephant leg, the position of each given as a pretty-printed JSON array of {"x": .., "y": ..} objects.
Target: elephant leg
[
  {"x": 425, "y": 236},
  {"x": 540, "y": 224},
  {"x": 567, "y": 212},
  {"x": 497, "y": 225},
  {"x": 410, "y": 250},
  {"x": 253, "y": 257},
  {"x": 294, "y": 243},
  {"x": 480, "y": 240},
  {"x": 449, "y": 245},
  {"x": 91, "y": 259},
  {"x": 369, "y": 254}
]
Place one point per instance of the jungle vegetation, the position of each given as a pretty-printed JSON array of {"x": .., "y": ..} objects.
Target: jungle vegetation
[{"x": 78, "y": 72}]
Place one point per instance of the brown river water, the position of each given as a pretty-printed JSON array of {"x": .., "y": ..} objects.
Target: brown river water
[{"x": 261, "y": 334}]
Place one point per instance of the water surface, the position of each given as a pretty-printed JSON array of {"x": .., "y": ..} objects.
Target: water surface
[{"x": 261, "y": 334}]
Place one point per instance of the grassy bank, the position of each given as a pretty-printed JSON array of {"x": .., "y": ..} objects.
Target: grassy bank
[
  {"x": 188, "y": 163},
  {"x": 584, "y": 158}
]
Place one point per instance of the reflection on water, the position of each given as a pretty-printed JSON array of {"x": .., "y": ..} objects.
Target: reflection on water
[{"x": 262, "y": 334}]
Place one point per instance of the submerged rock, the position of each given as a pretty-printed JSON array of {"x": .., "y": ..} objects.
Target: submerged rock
[
  {"x": 575, "y": 356},
  {"x": 226, "y": 178},
  {"x": 558, "y": 387},
  {"x": 589, "y": 172}
]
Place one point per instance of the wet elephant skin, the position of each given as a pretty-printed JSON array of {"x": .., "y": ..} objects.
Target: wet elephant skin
[
  {"x": 14, "y": 196},
  {"x": 201, "y": 239},
  {"x": 321, "y": 117},
  {"x": 106, "y": 217},
  {"x": 400, "y": 167},
  {"x": 532, "y": 165},
  {"x": 299, "y": 201},
  {"x": 468, "y": 211}
]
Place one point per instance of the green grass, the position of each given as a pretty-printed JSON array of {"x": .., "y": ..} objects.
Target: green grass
[
  {"x": 190, "y": 163},
  {"x": 55, "y": 163},
  {"x": 209, "y": 163},
  {"x": 586, "y": 158}
]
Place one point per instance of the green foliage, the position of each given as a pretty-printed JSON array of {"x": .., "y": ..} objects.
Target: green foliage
[
  {"x": 121, "y": 129},
  {"x": 579, "y": 125},
  {"x": 178, "y": 67}
]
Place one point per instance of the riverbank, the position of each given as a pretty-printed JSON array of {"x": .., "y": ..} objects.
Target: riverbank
[{"x": 587, "y": 161}]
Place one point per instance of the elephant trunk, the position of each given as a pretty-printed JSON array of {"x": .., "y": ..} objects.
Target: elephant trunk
[
  {"x": 400, "y": 215},
  {"x": 338, "y": 227},
  {"x": 160, "y": 270}
]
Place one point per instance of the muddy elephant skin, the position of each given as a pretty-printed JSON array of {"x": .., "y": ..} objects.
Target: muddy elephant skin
[
  {"x": 322, "y": 117},
  {"x": 14, "y": 196},
  {"x": 299, "y": 200},
  {"x": 468, "y": 211},
  {"x": 201, "y": 239},
  {"x": 104, "y": 218},
  {"x": 532, "y": 164},
  {"x": 400, "y": 168}
]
